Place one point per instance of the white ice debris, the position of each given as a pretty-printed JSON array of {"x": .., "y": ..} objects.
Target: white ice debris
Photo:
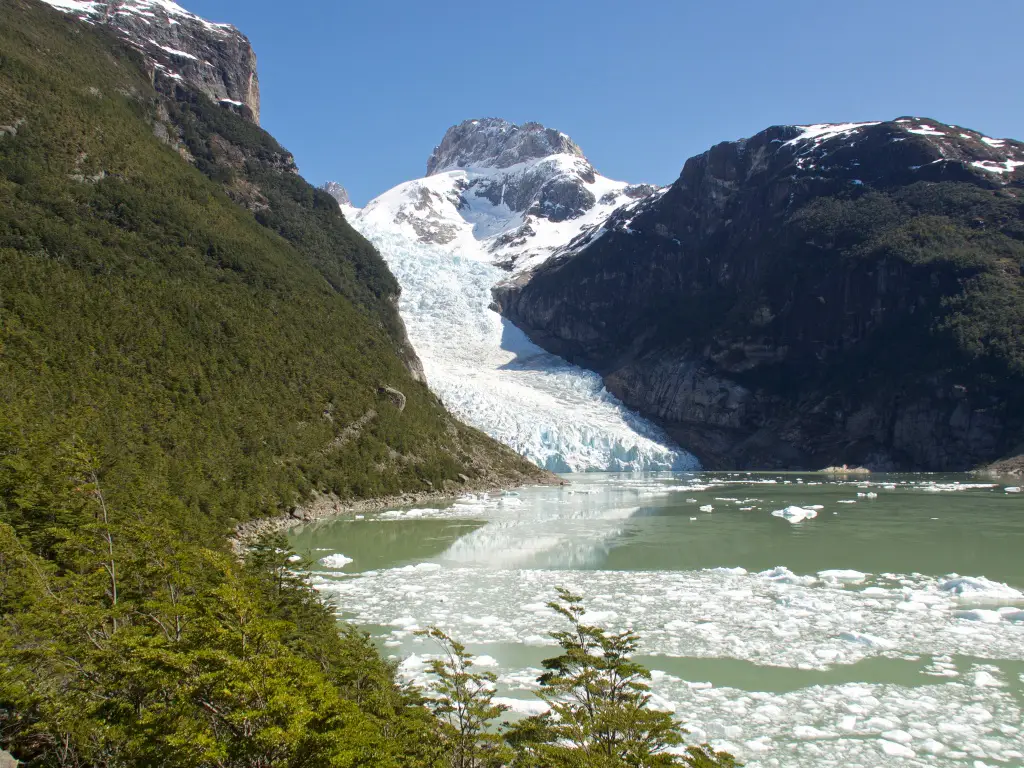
[
  {"x": 335, "y": 561},
  {"x": 796, "y": 514},
  {"x": 490, "y": 587},
  {"x": 978, "y": 588},
  {"x": 843, "y": 575},
  {"x": 707, "y": 508}
]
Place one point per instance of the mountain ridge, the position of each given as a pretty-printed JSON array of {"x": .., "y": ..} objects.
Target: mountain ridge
[
  {"x": 773, "y": 263},
  {"x": 215, "y": 59}
]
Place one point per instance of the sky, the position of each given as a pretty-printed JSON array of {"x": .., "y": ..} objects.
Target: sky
[{"x": 362, "y": 92}]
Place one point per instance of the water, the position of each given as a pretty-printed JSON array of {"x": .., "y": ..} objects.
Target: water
[
  {"x": 490, "y": 375},
  {"x": 845, "y": 640}
]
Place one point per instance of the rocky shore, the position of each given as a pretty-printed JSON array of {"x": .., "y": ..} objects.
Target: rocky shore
[{"x": 324, "y": 506}]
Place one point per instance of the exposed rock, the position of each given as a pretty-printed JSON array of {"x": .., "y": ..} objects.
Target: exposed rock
[
  {"x": 338, "y": 192},
  {"x": 495, "y": 143},
  {"x": 215, "y": 59},
  {"x": 392, "y": 394},
  {"x": 789, "y": 301},
  {"x": 515, "y": 193},
  {"x": 7, "y": 760}
]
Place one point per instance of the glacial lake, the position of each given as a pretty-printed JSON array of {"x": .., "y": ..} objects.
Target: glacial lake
[{"x": 886, "y": 630}]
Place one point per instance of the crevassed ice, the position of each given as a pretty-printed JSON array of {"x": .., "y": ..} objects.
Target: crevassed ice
[{"x": 490, "y": 375}]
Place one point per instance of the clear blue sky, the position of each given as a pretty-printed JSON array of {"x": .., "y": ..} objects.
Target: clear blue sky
[{"x": 361, "y": 92}]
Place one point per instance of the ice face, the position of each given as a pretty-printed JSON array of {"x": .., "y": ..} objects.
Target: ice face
[{"x": 490, "y": 375}]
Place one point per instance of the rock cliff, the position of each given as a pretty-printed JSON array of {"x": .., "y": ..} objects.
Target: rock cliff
[
  {"x": 215, "y": 59},
  {"x": 810, "y": 296}
]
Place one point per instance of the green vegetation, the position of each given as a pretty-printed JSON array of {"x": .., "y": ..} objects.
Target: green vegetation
[
  {"x": 176, "y": 357},
  {"x": 147, "y": 314},
  {"x": 598, "y": 713}
]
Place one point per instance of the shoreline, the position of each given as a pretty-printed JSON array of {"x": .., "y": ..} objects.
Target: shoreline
[{"x": 328, "y": 506}]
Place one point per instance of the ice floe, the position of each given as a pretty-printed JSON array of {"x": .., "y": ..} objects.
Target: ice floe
[{"x": 335, "y": 561}]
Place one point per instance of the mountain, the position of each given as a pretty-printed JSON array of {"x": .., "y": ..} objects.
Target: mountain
[
  {"x": 230, "y": 286},
  {"x": 496, "y": 196},
  {"x": 191, "y": 336},
  {"x": 507, "y": 194},
  {"x": 810, "y": 296},
  {"x": 215, "y": 59}
]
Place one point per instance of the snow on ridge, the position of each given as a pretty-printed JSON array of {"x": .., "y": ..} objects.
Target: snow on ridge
[
  {"x": 824, "y": 131},
  {"x": 455, "y": 208},
  {"x": 89, "y": 10},
  {"x": 992, "y": 166}
]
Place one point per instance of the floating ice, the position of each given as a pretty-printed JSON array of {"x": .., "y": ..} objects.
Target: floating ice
[
  {"x": 796, "y": 514},
  {"x": 979, "y": 588},
  {"x": 335, "y": 561},
  {"x": 849, "y": 576}
]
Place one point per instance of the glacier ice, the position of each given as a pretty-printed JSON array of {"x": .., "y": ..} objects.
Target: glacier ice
[{"x": 489, "y": 374}]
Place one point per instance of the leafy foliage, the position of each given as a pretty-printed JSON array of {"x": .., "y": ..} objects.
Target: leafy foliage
[
  {"x": 464, "y": 702},
  {"x": 598, "y": 701},
  {"x": 153, "y": 317},
  {"x": 598, "y": 713}
]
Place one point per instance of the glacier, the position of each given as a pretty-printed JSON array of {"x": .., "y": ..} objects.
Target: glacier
[{"x": 489, "y": 374}]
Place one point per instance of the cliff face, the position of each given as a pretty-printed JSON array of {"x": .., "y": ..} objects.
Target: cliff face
[
  {"x": 215, "y": 59},
  {"x": 809, "y": 296}
]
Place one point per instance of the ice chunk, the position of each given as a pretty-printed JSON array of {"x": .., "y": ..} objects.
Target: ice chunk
[
  {"x": 871, "y": 641},
  {"x": 893, "y": 749},
  {"x": 985, "y": 679},
  {"x": 979, "y": 588},
  {"x": 780, "y": 574},
  {"x": 852, "y": 577},
  {"x": 335, "y": 561},
  {"x": 707, "y": 508},
  {"x": 796, "y": 514}
]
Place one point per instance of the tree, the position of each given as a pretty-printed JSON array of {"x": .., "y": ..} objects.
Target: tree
[
  {"x": 464, "y": 702},
  {"x": 599, "y": 713}
]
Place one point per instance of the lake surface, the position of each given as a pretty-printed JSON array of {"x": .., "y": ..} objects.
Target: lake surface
[{"x": 886, "y": 630}]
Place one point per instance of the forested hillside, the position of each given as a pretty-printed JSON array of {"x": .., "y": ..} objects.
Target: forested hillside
[{"x": 190, "y": 336}]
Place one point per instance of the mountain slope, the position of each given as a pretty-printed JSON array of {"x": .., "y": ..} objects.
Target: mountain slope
[
  {"x": 190, "y": 336},
  {"x": 178, "y": 46},
  {"x": 220, "y": 352},
  {"x": 501, "y": 195},
  {"x": 809, "y": 296}
]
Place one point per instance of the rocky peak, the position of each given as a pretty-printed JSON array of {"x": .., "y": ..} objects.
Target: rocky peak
[
  {"x": 215, "y": 59},
  {"x": 495, "y": 143},
  {"x": 338, "y": 192}
]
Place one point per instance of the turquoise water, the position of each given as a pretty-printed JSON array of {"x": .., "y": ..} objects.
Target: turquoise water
[{"x": 850, "y": 638}]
